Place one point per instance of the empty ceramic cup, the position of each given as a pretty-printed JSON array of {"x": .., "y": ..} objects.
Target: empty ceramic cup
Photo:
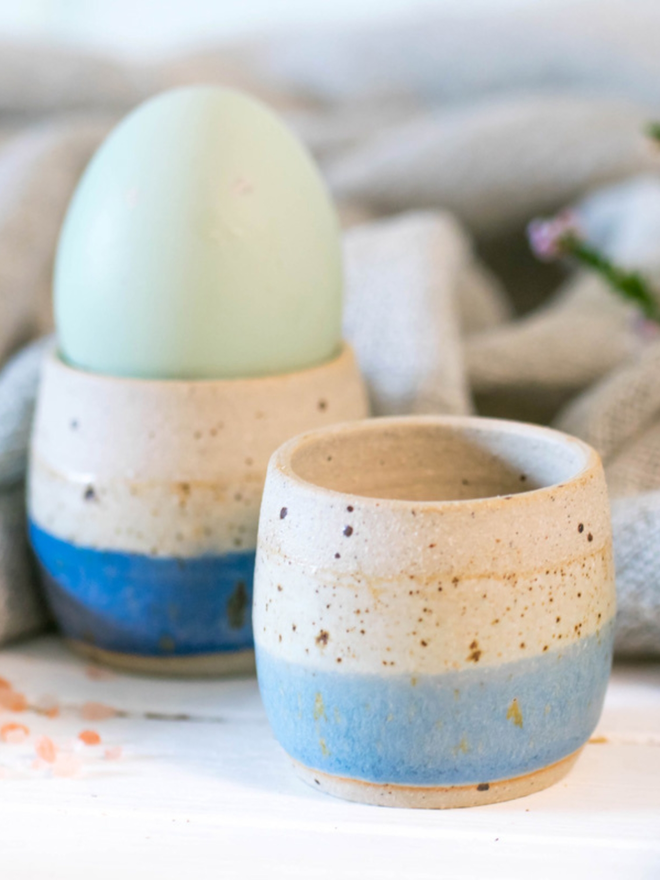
[
  {"x": 434, "y": 607},
  {"x": 144, "y": 503}
]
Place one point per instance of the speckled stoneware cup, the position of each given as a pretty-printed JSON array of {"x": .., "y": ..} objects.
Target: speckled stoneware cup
[
  {"x": 434, "y": 605},
  {"x": 144, "y": 502}
]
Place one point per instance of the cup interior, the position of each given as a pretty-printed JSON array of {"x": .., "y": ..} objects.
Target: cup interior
[{"x": 436, "y": 460}]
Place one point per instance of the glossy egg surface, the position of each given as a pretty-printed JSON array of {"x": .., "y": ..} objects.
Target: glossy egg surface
[{"x": 200, "y": 243}]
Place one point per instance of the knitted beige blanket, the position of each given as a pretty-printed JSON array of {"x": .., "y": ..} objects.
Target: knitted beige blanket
[{"x": 440, "y": 140}]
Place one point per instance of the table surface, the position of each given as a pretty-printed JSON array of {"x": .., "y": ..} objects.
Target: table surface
[{"x": 187, "y": 781}]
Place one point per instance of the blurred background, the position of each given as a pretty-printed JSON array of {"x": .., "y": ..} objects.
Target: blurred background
[{"x": 155, "y": 27}]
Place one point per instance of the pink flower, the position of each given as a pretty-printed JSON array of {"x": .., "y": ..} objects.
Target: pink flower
[
  {"x": 645, "y": 329},
  {"x": 548, "y": 236}
]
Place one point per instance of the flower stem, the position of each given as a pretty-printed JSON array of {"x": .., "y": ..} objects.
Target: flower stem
[
  {"x": 631, "y": 285},
  {"x": 653, "y": 131}
]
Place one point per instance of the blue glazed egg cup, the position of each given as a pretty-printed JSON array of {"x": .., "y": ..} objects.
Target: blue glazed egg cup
[
  {"x": 143, "y": 506},
  {"x": 434, "y": 614}
]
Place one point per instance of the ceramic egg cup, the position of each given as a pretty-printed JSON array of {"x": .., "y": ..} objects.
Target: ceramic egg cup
[
  {"x": 434, "y": 608},
  {"x": 143, "y": 505}
]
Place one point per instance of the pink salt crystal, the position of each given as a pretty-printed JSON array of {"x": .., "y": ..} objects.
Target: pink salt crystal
[
  {"x": 45, "y": 749},
  {"x": 47, "y": 706},
  {"x": 113, "y": 754},
  {"x": 66, "y": 765},
  {"x": 97, "y": 712},
  {"x": 11, "y": 700},
  {"x": 96, "y": 673},
  {"x": 89, "y": 737},
  {"x": 14, "y": 733}
]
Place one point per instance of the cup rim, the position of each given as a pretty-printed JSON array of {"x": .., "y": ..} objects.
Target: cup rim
[
  {"x": 54, "y": 355},
  {"x": 281, "y": 460}
]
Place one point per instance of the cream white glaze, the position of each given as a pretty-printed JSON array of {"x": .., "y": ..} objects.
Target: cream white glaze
[
  {"x": 170, "y": 468},
  {"x": 370, "y": 584}
]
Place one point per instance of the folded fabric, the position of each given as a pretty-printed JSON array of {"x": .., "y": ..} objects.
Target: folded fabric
[
  {"x": 401, "y": 312},
  {"x": 22, "y": 610}
]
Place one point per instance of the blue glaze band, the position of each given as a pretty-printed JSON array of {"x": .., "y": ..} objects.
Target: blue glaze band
[
  {"x": 453, "y": 729},
  {"x": 153, "y": 606}
]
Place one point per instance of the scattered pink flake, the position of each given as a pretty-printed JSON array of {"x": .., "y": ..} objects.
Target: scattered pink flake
[
  {"x": 66, "y": 765},
  {"x": 47, "y": 706},
  {"x": 45, "y": 749},
  {"x": 97, "y": 673},
  {"x": 14, "y": 733},
  {"x": 97, "y": 712},
  {"x": 113, "y": 754},
  {"x": 12, "y": 700},
  {"x": 89, "y": 737}
]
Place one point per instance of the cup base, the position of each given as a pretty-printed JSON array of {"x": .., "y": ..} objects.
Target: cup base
[
  {"x": 192, "y": 666},
  {"x": 436, "y": 797}
]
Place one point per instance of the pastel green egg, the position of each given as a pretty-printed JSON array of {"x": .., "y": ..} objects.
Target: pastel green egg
[{"x": 200, "y": 244}]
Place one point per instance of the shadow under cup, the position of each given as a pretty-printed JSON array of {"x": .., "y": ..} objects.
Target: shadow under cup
[{"x": 434, "y": 606}]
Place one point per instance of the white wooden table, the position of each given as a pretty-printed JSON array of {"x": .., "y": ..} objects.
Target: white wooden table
[{"x": 188, "y": 782}]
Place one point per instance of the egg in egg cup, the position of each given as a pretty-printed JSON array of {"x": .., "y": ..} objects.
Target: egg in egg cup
[{"x": 198, "y": 314}]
